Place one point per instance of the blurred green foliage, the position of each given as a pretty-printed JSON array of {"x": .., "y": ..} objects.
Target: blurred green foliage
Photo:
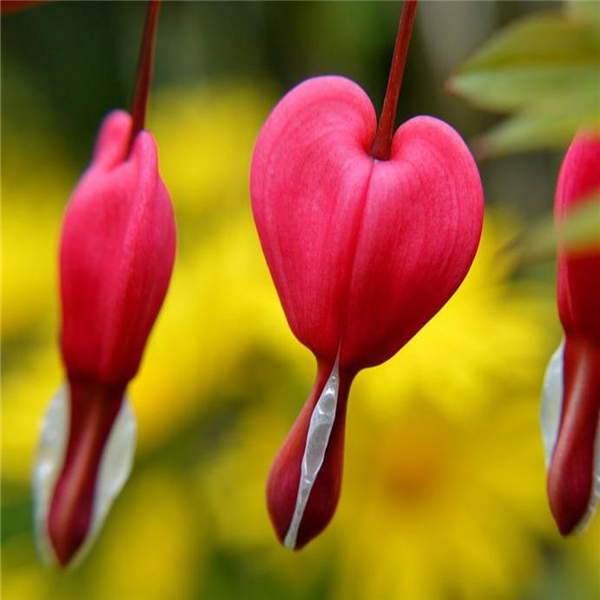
[{"x": 544, "y": 71}]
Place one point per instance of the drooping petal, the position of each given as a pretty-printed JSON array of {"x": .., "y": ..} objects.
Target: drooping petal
[
  {"x": 579, "y": 273},
  {"x": 305, "y": 480},
  {"x": 573, "y": 484},
  {"x": 114, "y": 469}
]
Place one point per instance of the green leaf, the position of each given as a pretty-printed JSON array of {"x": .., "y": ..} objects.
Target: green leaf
[
  {"x": 509, "y": 89},
  {"x": 542, "y": 39},
  {"x": 578, "y": 232},
  {"x": 550, "y": 126},
  {"x": 544, "y": 71}
]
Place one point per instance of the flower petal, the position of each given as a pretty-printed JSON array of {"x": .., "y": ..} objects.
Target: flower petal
[
  {"x": 420, "y": 229},
  {"x": 362, "y": 252},
  {"x": 115, "y": 467},
  {"x": 309, "y": 179},
  {"x": 573, "y": 471},
  {"x": 317, "y": 440},
  {"x": 116, "y": 257},
  {"x": 552, "y": 402},
  {"x": 304, "y": 483}
]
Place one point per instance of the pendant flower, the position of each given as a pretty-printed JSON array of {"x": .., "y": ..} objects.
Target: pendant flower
[
  {"x": 571, "y": 399},
  {"x": 116, "y": 257},
  {"x": 366, "y": 237}
]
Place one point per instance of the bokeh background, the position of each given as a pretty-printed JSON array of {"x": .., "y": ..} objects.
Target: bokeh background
[{"x": 444, "y": 489}]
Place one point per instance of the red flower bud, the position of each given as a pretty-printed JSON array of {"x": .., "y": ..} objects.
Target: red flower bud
[
  {"x": 116, "y": 258},
  {"x": 571, "y": 409},
  {"x": 363, "y": 252}
]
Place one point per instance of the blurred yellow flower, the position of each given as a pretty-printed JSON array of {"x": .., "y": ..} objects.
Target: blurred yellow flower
[
  {"x": 436, "y": 508},
  {"x": 26, "y": 390},
  {"x": 152, "y": 546}
]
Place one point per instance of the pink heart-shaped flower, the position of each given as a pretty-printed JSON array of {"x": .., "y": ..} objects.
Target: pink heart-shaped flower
[{"x": 362, "y": 252}]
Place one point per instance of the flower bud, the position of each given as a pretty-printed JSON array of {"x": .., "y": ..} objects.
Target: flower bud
[
  {"x": 571, "y": 404},
  {"x": 116, "y": 258}
]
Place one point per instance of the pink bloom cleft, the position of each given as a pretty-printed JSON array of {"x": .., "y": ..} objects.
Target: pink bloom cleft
[
  {"x": 571, "y": 407},
  {"x": 363, "y": 252},
  {"x": 116, "y": 257}
]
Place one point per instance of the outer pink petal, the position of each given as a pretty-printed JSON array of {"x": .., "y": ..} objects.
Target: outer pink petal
[
  {"x": 579, "y": 274},
  {"x": 309, "y": 178},
  {"x": 420, "y": 229},
  {"x": 116, "y": 257}
]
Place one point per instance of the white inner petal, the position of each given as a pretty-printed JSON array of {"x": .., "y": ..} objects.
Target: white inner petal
[
  {"x": 552, "y": 401},
  {"x": 317, "y": 439},
  {"x": 115, "y": 467}
]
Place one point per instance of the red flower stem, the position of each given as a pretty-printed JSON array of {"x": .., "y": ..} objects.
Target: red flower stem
[
  {"x": 382, "y": 144},
  {"x": 144, "y": 71}
]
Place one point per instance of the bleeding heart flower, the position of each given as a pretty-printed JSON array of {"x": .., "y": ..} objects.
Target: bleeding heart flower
[
  {"x": 366, "y": 238},
  {"x": 571, "y": 405},
  {"x": 116, "y": 258}
]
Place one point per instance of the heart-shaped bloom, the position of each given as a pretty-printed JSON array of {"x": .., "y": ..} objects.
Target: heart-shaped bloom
[
  {"x": 571, "y": 404},
  {"x": 363, "y": 252},
  {"x": 116, "y": 256}
]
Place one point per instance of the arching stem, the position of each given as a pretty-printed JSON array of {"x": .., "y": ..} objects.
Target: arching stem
[
  {"x": 144, "y": 71},
  {"x": 382, "y": 144}
]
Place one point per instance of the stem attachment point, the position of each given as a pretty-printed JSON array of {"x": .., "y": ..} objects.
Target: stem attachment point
[{"x": 382, "y": 144}]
